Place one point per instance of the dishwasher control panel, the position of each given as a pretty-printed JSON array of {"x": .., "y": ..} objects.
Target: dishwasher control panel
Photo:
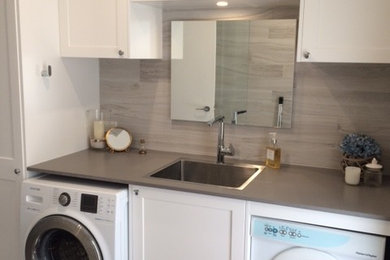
[
  {"x": 283, "y": 230},
  {"x": 297, "y": 233},
  {"x": 270, "y": 237}
]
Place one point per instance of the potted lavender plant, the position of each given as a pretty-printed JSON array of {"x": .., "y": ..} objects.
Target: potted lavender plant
[{"x": 358, "y": 150}]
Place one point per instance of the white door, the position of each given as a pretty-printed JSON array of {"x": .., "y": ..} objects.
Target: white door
[
  {"x": 11, "y": 153},
  {"x": 193, "y": 61},
  {"x": 344, "y": 31},
  {"x": 172, "y": 225}
]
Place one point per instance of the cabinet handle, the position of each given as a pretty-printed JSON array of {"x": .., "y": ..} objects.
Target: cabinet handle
[
  {"x": 120, "y": 52},
  {"x": 306, "y": 54},
  {"x": 136, "y": 192},
  {"x": 16, "y": 171}
]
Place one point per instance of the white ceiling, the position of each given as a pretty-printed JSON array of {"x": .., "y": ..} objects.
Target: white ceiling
[{"x": 211, "y": 4}]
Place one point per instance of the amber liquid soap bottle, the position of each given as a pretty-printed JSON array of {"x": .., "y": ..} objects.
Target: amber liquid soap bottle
[{"x": 273, "y": 152}]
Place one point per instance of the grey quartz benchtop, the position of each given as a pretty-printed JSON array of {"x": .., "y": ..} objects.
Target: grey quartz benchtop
[{"x": 295, "y": 186}]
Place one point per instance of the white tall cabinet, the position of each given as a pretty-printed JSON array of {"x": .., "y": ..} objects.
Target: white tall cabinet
[
  {"x": 11, "y": 145},
  {"x": 344, "y": 31},
  {"x": 177, "y": 225}
]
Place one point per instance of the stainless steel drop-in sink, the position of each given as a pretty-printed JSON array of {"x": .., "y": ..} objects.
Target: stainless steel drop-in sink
[{"x": 236, "y": 176}]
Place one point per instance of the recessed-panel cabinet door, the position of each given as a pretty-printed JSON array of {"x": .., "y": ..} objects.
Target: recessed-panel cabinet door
[
  {"x": 180, "y": 225},
  {"x": 11, "y": 157},
  {"x": 91, "y": 28},
  {"x": 344, "y": 31}
]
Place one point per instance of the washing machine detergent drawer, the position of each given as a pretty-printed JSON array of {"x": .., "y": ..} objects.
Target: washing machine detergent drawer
[{"x": 273, "y": 239}]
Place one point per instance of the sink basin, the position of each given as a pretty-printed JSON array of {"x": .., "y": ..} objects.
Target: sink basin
[{"x": 235, "y": 176}]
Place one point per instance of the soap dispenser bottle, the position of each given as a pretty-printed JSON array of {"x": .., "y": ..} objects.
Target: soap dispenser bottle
[{"x": 273, "y": 152}]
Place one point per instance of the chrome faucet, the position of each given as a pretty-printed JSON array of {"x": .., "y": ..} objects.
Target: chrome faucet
[{"x": 221, "y": 149}]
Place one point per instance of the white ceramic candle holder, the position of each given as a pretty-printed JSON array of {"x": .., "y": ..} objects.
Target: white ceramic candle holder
[{"x": 352, "y": 175}]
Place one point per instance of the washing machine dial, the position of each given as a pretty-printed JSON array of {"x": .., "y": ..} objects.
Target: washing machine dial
[{"x": 64, "y": 199}]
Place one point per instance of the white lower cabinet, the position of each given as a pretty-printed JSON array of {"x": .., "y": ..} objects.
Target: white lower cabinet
[{"x": 173, "y": 225}]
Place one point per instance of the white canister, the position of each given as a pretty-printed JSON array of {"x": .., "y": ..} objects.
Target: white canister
[{"x": 352, "y": 175}]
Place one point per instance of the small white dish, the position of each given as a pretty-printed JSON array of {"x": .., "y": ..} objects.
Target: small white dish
[{"x": 97, "y": 143}]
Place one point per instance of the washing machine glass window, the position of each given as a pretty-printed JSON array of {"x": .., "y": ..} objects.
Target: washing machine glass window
[
  {"x": 61, "y": 238},
  {"x": 273, "y": 239}
]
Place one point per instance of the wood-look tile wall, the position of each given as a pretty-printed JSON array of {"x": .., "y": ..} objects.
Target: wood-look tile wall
[{"x": 330, "y": 100}]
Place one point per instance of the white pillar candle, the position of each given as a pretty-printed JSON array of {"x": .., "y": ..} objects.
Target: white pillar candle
[
  {"x": 352, "y": 175},
  {"x": 98, "y": 129}
]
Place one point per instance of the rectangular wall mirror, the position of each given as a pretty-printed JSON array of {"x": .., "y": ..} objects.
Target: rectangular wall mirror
[{"x": 243, "y": 70}]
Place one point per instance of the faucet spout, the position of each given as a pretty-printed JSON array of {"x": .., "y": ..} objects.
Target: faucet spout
[{"x": 222, "y": 150}]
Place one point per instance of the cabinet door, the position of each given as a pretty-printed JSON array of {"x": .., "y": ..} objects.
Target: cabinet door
[
  {"x": 90, "y": 28},
  {"x": 344, "y": 31},
  {"x": 11, "y": 151},
  {"x": 179, "y": 225}
]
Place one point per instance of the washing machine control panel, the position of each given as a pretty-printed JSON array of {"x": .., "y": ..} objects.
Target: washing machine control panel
[{"x": 103, "y": 206}]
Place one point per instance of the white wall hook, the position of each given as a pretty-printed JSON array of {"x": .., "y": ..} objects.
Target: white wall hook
[{"x": 46, "y": 72}]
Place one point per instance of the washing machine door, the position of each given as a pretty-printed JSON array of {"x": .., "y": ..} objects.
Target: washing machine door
[
  {"x": 301, "y": 253},
  {"x": 60, "y": 237}
]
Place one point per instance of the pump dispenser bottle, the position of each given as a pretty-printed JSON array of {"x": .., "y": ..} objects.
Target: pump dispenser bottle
[{"x": 273, "y": 152}]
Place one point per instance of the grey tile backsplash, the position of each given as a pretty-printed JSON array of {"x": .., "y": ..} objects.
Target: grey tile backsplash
[{"x": 330, "y": 100}]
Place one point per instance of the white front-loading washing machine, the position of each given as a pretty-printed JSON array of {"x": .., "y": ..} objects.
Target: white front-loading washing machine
[
  {"x": 73, "y": 219},
  {"x": 273, "y": 239}
]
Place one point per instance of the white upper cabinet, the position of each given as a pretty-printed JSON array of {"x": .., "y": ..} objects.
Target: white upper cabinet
[
  {"x": 110, "y": 29},
  {"x": 344, "y": 31}
]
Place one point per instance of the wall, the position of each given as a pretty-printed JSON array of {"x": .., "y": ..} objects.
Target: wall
[
  {"x": 330, "y": 100},
  {"x": 54, "y": 108}
]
